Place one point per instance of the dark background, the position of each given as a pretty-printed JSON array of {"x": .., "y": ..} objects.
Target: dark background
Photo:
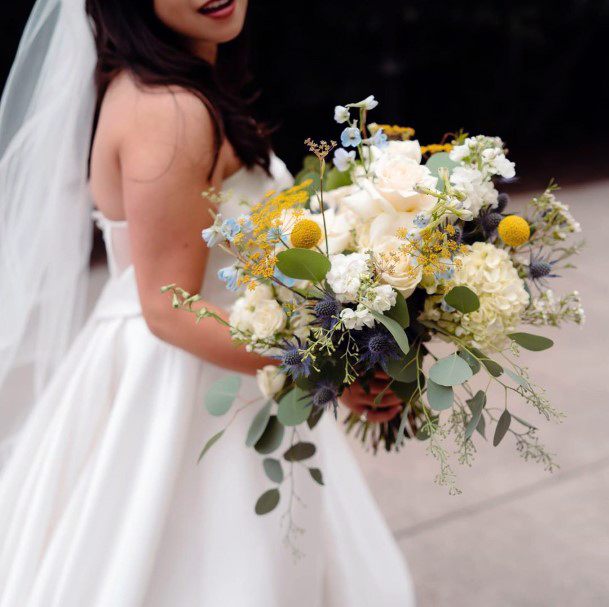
[{"x": 535, "y": 72}]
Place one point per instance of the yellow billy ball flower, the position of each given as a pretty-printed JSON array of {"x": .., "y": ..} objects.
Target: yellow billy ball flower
[
  {"x": 514, "y": 230},
  {"x": 305, "y": 234}
]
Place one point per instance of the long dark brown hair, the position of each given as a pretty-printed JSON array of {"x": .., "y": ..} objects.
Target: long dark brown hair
[{"x": 129, "y": 36}]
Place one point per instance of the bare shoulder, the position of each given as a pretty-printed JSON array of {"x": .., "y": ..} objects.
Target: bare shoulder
[{"x": 159, "y": 125}]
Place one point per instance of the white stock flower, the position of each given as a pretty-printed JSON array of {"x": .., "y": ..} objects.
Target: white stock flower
[
  {"x": 346, "y": 274},
  {"x": 478, "y": 191},
  {"x": 341, "y": 114},
  {"x": 380, "y": 298},
  {"x": 357, "y": 319},
  {"x": 498, "y": 164},
  {"x": 270, "y": 380}
]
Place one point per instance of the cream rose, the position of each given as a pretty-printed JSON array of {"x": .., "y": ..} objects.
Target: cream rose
[
  {"x": 270, "y": 380},
  {"x": 268, "y": 318},
  {"x": 409, "y": 149},
  {"x": 395, "y": 266},
  {"x": 340, "y": 227}
]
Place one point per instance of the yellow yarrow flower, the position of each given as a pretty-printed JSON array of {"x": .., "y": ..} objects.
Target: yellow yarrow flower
[
  {"x": 514, "y": 230},
  {"x": 305, "y": 234}
]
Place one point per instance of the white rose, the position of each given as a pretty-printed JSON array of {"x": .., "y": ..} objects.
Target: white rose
[
  {"x": 270, "y": 380},
  {"x": 334, "y": 198},
  {"x": 409, "y": 149},
  {"x": 241, "y": 316},
  {"x": 260, "y": 293},
  {"x": 268, "y": 318},
  {"x": 340, "y": 228},
  {"x": 396, "y": 269}
]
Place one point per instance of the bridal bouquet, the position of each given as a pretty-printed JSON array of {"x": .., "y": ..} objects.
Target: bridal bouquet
[{"x": 401, "y": 258}]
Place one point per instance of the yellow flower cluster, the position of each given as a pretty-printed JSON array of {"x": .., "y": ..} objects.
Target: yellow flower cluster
[
  {"x": 514, "y": 230},
  {"x": 435, "y": 251},
  {"x": 434, "y": 148},
  {"x": 393, "y": 131},
  {"x": 258, "y": 248}
]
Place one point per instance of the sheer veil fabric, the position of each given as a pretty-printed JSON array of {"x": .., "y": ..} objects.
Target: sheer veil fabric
[{"x": 45, "y": 208}]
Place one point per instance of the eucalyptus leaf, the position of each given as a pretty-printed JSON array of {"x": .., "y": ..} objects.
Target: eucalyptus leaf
[
  {"x": 395, "y": 329},
  {"x": 535, "y": 343},
  {"x": 406, "y": 390},
  {"x": 495, "y": 369},
  {"x": 471, "y": 360},
  {"x": 294, "y": 408},
  {"x": 450, "y": 371},
  {"x": 299, "y": 451},
  {"x": 462, "y": 299},
  {"x": 517, "y": 378},
  {"x": 481, "y": 427},
  {"x": 271, "y": 437},
  {"x": 259, "y": 423},
  {"x": 439, "y": 397},
  {"x": 210, "y": 443},
  {"x": 441, "y": 160},
  {"x": 272, "y": 468},
  {"x": 476, "y": 405},
  {"x": 315, "y": 416},
  {"x": 404, "y": 369},
  {"x": 222, "y": 394},
  {"x": 503, "y": 425},
  {"x": 303, "y": 264},
  {"x": 336, "y": 179},
  {"x": 316, "y": 475},
  {"x": 399, "y": 312},
  {"x": 524, "y": 422},
  {"x": 267, "y": 501}
]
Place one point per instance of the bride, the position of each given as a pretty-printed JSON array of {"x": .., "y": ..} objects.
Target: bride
[{"x": 101, "y": 501}]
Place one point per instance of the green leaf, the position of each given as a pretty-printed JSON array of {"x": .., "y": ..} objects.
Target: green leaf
[
  {"x": 438, "y": 161},
  {"x": 303, "y": 264},
  {"x": 406, "y": 390},
  {"x": 439, "y": 397},
  {"x": 336, "y": 179},
  {"x": 272, "y": 468},
  {"x": 450, "y": 371},
  {"x": 258, "y": 425},
  {"x": 481, "y": 427},
  {"x": 471, "y": 360},
  {"x": 299, "y": 451},
  {"x": 535, "y": 343},
  {"x": 210, "y": 443},
  {"x": 404, "y": 369},
  {"x": 503, "y": 425},
  {"x": 476, "y": 404},
  {"x": 395, "y": 329},
  {"x": 524, "y": 422},
  {"x": 315, "y": 416},
  {"x": 462, "y": 299},
  {"x": 271, "y": 437},
  {"x": 517, "y": 378},
  {"x": 495, "y": 369},
  {"x": 316, "y": 475},
  {"x": 222, "y": 393},
  {"x": 267, "y": 501},
  {"x": 399, "y": 312},
  {"x": 294, "y": 408}
]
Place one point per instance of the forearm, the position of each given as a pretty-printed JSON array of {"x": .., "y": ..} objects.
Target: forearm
[{"x": 209, "y": 339}]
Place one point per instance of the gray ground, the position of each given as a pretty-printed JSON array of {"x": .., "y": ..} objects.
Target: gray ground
[{"x": 518, "y": 536}]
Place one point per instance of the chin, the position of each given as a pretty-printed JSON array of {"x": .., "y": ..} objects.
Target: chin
[{"x": 221, "y": 20}]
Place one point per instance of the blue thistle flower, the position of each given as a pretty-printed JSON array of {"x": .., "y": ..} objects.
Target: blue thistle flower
[
  {"x": 540, "y": 268},
  {"x": 327, "y": 311},
  {"x": 325, "y": 395},
  {"x": 502, "y": 201},
  {"x": 294, "y": 362},
  {"x": 377, "y": 347}
]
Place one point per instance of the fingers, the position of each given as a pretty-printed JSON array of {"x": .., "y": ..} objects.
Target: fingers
[{"x": 378, "y": 416}]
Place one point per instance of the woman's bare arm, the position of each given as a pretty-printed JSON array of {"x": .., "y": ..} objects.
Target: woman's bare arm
[{"x": 165, "y": 155}]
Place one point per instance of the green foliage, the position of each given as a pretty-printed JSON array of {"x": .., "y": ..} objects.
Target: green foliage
[
  {"x": 476, "y": 405},
  {"x": 210, "y": 443},
  {"x": 462, "y": 299},
  {"x": 222, "y": 394},
  {"x": 404, "y": 369},
  {"x": 258, "y": 425},
  {"x": 399, "y": 312},
  {"x": 267, "y": 502},
  {"x": 472, "y": 361},
  {"x": 450, "y": 371},
  {"x": 294, "y": 408},
  {"x": 517, "y": 378},
  {"x": 303, "y": 264},
  {"x": 395, "y": 329},
  {"x": 438, "y": 161},
  {"x": 495, "y": 369},
  {"x": 439, "y": 397},
  {"x": 334, "y": 179},
  {"x": 299, "y": 451},
  {"x": 273, "y": 470},
  {"x": 503, "y": 425},
  {"x": 316, "y": 475},
  {"x": 271, "y": 437},
  {"x": 535, "y": 343}
]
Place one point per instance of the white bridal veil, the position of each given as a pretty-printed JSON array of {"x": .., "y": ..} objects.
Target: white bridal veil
[{"x": 46, "y": 117}]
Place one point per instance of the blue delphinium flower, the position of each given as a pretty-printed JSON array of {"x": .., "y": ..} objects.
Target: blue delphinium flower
[
  {"x": 421, "y": 220},
  {"x": 325, "y": 395},
  {"x": 294, "y": 362},
  {"x": 447, "y": 274},
  {"x": 274, "y": 235},
  {"x": 377, "y": 347},
  {"x": 213, "y": 236},
  {"x": 351, "y": 137},
  {"x": 327, "y": 311},
  {"x": 343, "y": 160},
  {"x": 379, "y": 139},
  {"x": 287, "y": 281},
  {"x": 245, "y": 223},
  {"x": 230, "y": 228},
  {"x": 229, "y": 275}
]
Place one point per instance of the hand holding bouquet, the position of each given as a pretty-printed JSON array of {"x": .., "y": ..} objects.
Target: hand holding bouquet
[{"x": 363, "y": 268}]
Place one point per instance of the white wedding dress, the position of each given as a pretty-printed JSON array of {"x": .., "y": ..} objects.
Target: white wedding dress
[{"x": 102, "y": 503}]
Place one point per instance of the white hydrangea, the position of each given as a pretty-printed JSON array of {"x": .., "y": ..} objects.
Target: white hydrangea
[
  {"x": 345, "y": 275},
  {"x": 479, "y": 192},
  {"x": 490, "y": 273}
]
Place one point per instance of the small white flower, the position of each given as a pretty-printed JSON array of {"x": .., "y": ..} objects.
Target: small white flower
[
  {"x": 270, "y": 380},
  {"x": 498, "y": 164},
  {"x": 341, "y": 114},
  {"x": 478, "y": 191},
  {"x": 346, "y": 274},
  {"x": 357, "y": 319},
  {"x": 381, "y": 298},
  {"x": 369, "y": 103},
  {"x": 344, "y": 160}
]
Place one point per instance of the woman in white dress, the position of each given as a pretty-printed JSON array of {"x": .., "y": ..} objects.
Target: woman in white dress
[{"x": 101, "y": 501}]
